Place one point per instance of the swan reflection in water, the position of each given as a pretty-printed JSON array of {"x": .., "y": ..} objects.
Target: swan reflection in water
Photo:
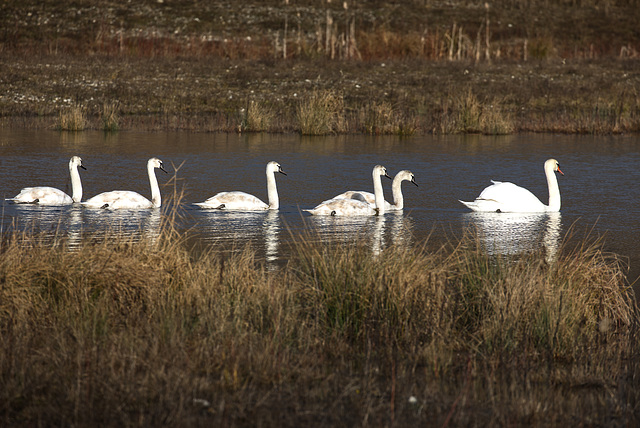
[
  {"x": 392, "y": 228},
  {"x": 76, "y": 223},
  {"x": 136, "y": 223},
  {"x": 229, "y": 228},
  {"x": 517, "y": 233}
]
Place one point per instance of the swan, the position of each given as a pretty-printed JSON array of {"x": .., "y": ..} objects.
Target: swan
[
  {"x": 507, "y": 197},
  {"x": 357, "y": 205},
  {"x": 241, "y": 201},
  {"x": 396, "y": 186},
  {"x": 126, "y": 199},
  {"x": 50, "y": 195}
]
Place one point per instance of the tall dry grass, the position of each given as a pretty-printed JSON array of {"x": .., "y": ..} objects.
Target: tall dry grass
[
  {"x": 110, "y": 116},
  {"x": 257, "y": 117},
  {"x": 73, "y": 118},
  {"x": 149, "y": 332},
  {"x": 464, "y": 113},
  {"x": 321, "y": 113}
]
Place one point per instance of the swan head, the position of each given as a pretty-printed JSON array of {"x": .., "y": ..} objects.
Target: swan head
[
  {"x": 273, "y": 167},
  {"x": 553, "y": 165},
  {"x": 405, "y": 174},
  {"x": 76, "y": 161},
  {"x": 380, "y": 170},
  {"x": 156, "y": 163}
]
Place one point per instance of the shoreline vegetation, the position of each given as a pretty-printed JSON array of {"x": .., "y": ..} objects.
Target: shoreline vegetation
[
  {"x": 117, "y": 331},
  {"x": 318, "y": 68},
  {"x": 120, "y": 331}
]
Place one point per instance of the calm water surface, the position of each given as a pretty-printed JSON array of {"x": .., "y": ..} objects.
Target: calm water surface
[{"x": 600, "y": 190}]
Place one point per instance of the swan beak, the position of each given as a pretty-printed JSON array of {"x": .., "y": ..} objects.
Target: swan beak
[
  {"x": 281, "y": 171},
  {"x": 558, "y": 169},
  {"x": 414, "y": 182},
  {"x": 82, "y": 166},
  {"x": 387, "y": 175},
  {"x": 162, "y": 168}
]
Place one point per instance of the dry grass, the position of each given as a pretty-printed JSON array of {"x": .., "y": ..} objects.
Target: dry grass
[
  {"x": 125, "y": 332},
  {"x": 321, "y": 113},
  {"x": 110, "y": 116},
  {"x": 465, "y": 113},
  {"x": 72, "y": 118},
  {"x": 257, "y": 117}
]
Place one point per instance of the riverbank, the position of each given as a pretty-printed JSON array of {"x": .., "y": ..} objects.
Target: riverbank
[
  {"x": 397, "y": 97},
  {"x": 322, "y": 68}
]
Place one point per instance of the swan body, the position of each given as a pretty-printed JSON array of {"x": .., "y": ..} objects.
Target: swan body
[
  {"x": 241, "y": 201},
  {"x": 357, "y": 205},
  {"x": 507, "y": 197},
  {"x": 396, "y": 186},
  {"x": 126, "y": 199},
  {"x": 50, "y": 195}
]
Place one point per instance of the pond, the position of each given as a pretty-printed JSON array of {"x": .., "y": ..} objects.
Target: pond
[{"x": 600, "y": 190}]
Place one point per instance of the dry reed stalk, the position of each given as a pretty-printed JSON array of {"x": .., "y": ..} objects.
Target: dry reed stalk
[
  {"x": 110, "y": 116},
  {"x": 257, "y": 117},
  {"x": 321, "y": 113},
  {"x": 72, "y": 119}
]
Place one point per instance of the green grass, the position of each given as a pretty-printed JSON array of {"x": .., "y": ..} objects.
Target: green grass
[{"x": 148, "y": 332}]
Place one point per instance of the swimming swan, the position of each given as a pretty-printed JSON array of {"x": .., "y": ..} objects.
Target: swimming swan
[
  {"x": 509, "y": 198},
  {"x": 355, "y": 207},
  {"x": 126, "y": 199},
  {"x": 396, "y": 187},
  {"x": 241, "y": 201},
  {"x": 50, "y": 195}
]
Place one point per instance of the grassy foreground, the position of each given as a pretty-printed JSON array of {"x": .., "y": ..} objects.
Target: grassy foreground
[{"x": 151, "y": 333}]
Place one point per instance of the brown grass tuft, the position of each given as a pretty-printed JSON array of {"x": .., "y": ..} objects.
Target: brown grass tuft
[{"x": 122, "y": 330}]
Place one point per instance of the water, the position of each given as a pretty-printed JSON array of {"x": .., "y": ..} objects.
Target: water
[{"x": 600, "y": 190}]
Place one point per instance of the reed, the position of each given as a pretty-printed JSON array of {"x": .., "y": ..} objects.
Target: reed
[
  {"x": 321, "y": 113},
  {"x": 124, "y": 331},
  {"x": 465, "y": 114},
  {"x": 257, "y": 117},
  {"x": 72, "y": 118},
  {"x": 110, "y": 117}
]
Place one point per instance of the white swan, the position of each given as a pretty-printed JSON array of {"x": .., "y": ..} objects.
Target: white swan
[
  {"x": 509, "y": 198},
  {"x": 396, "y": 187},
  {"x": 241, "y": 201},
  {"x": 356, "y": 207},
  {"x": 126, "y": 199},
  {"x": 50, "y": 195}
]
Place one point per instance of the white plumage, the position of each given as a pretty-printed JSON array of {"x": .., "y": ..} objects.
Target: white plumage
[
  {"x": 357, "y": 204},
  {"x": 396, "y": 188},
  {"x": 126, "y": 199},
  {"x": 241, "y": 201},
  {"x": 509, "y": 198},
  {"x": 50, "y": 195}
]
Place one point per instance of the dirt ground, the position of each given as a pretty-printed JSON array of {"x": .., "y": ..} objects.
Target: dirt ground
[{"x": 570, "y": 66}]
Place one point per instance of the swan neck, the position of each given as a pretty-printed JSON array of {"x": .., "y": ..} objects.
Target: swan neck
[
  {"x": 554, "y": 190},
  {"x": 272, "y": 191},
  {"x": 378, "y": 193},
  {"x": 156, "y": 198},
  {"x": 76, "y": 184},
  {"x": 396, "y": 187}
]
